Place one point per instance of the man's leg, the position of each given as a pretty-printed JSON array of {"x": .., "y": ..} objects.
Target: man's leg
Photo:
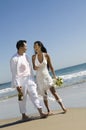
[
  {"x": 35, "y": 99},
  {"x": 22, "y": 104}
]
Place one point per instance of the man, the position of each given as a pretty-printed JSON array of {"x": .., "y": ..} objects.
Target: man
[{"x": 23, "y": 79}]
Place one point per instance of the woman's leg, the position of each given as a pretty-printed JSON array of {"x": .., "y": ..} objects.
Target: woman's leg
[
  {"x": 46, "y": 103},
  {"x": 53, "y": 91}
]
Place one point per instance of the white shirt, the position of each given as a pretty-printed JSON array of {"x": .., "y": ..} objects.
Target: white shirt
[{"x": 20, "y": 67}]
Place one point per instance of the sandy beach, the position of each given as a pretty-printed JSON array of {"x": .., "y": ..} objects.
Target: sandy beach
[
  {"x": 74, "y": 119},
  {"x": 74, "y": 97}
]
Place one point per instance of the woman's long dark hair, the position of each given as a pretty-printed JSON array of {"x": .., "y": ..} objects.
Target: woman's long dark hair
[{"x": 43, "y": 49}]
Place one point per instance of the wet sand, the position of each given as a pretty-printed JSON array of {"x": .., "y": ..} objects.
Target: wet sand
[{"x": 74, "y": 119}]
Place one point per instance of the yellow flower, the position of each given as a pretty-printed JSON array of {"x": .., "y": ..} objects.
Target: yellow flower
[{"x": 58, "y": 81}]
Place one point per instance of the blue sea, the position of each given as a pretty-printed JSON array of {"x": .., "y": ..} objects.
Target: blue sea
[{"x": 71, "y": 75}]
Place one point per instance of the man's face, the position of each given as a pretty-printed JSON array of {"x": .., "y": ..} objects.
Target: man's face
[{"x": 24, "y": 48}]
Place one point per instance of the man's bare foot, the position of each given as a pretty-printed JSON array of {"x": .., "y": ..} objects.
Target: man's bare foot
[{"x": 24, "y": 117}]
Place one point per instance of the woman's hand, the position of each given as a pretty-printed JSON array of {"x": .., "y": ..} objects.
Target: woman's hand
[
  {"x": 55, "y": 77},
  {"x": 36, "y": 67}
]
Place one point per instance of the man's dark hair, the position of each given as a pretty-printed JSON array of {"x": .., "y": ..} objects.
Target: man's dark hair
[{"x": 20, "y": 43}]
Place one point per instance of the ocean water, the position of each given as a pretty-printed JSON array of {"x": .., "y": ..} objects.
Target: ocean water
[{"x": 71, "y": 75}]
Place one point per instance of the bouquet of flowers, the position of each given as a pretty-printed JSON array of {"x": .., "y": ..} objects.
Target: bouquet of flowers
[{"x": 58, "y": 81}]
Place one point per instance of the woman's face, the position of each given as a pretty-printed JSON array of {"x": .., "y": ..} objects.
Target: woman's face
[{"x": 37, "y": 48}]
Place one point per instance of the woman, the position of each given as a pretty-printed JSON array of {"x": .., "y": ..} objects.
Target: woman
[{"x": 42, "y": 63}]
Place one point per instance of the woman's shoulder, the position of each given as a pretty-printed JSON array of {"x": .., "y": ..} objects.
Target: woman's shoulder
[
  {"x": 33, "y": 56},
  {"x": 46, "y": 54}
]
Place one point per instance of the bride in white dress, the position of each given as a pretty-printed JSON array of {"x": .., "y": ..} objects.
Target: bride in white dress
[{"x": 41, "y": 63}]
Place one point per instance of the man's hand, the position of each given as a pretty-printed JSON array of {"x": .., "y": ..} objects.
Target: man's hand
[
  {"x": 19, "y": 89},
  {"x": 20, "y": 93}
]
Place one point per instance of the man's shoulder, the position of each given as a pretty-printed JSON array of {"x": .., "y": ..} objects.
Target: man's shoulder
[
  {"x": 26, "y": 55},
  {"x": 15, "y": 56}
]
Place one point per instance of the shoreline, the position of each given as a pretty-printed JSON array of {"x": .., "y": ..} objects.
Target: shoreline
[
  {"x": 73, "y": 97},
  {"x": 75, "y": 118}
]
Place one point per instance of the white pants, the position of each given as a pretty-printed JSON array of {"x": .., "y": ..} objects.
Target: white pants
[{"x": 29, "y": 88}]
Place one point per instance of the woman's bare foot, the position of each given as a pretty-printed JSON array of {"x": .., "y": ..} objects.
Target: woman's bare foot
[
  {"x": 43, "y": 115},
  {"x": 50, "y": 113},
  {"x": 61, "y": 104},
  {"x": 65, "y": 110}
]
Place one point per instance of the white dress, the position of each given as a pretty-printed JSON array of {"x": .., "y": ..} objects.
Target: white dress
[{"x": 43, "y": 78}]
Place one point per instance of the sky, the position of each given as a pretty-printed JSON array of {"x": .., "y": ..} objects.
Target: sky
[{"x": 59, "y": 24}]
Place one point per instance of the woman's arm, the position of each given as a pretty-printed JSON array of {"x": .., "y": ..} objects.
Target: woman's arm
[
  {"x": 33, "y": 62},
  {"x": 50, "y": 65}
]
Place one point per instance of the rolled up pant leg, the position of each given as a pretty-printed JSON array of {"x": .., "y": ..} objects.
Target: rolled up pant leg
[{"x": 34, "y": 95}]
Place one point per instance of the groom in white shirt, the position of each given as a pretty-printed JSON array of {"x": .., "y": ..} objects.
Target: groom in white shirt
[{"x": 23, "y": 79}]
